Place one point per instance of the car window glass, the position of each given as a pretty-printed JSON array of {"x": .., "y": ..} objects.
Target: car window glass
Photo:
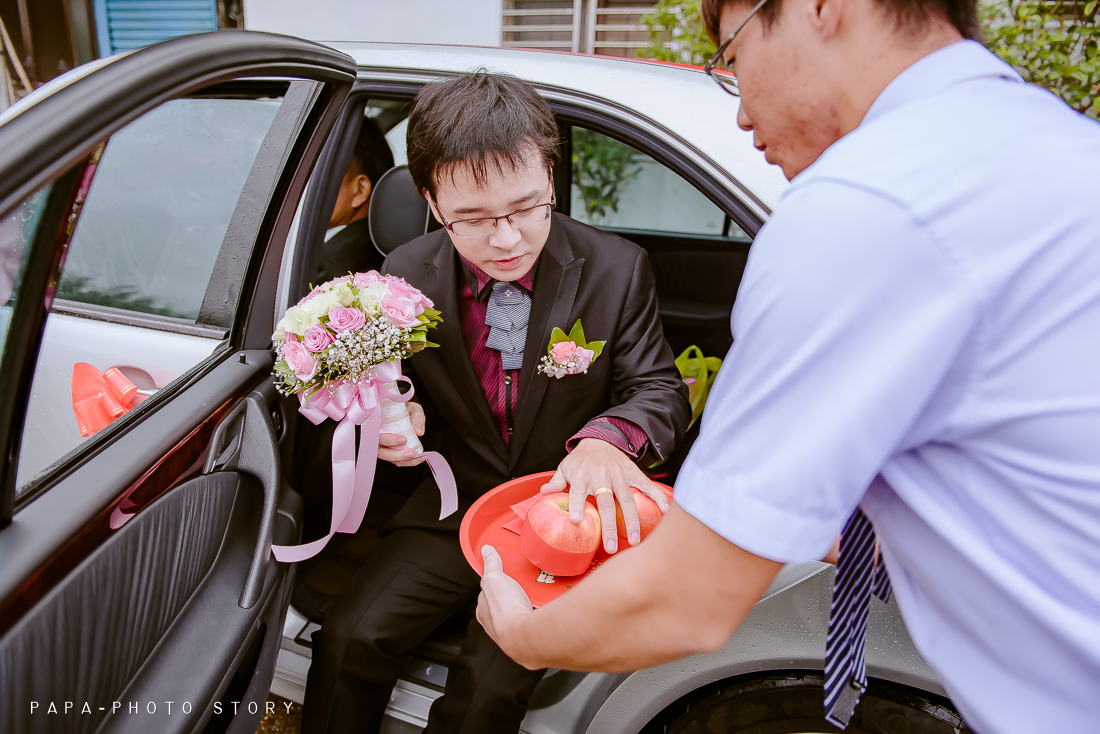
[
  {"x": 163, "y": 193},
  {"x": 16, "y": 233},
  {"x": 160, "y": 203},
  {"x": 616, "y": 186}
]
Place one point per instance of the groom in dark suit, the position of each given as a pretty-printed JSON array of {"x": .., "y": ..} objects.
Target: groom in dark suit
[{"x": 504, "y": 271}]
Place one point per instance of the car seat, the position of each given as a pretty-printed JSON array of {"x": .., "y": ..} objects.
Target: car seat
[{"x": 398, "y": 213}]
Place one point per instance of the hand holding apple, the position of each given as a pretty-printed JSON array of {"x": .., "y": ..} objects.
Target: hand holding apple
[{"x": 595, "y": 464}]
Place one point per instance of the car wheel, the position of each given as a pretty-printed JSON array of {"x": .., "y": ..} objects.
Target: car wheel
[{"x": 792, "y": 703}]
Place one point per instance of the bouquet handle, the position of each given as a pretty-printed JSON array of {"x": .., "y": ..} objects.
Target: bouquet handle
[{"x": 395, "y": 418}]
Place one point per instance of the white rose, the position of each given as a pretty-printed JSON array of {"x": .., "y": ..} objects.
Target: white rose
[
  {"x": 280, "y": 333},
  {"x": 370, "y": 298},
  {"x": 297, "y": 320},
  {"x": 345, "y": 294},
  {"x": 321, "y": 303}
]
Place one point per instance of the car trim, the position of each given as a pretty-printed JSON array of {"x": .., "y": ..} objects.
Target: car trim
[{"x": 122, "y": 316}]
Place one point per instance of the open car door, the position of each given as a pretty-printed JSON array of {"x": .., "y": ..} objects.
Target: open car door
[{"x": 144, "y": 209}]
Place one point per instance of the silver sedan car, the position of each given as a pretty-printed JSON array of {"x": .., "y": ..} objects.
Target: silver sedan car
[{"x": 158, "y": 212}]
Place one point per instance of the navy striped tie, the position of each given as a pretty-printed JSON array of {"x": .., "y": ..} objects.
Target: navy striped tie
[
  {"x": 506, "y": 316},
  {"x": 856, "y": 579}
]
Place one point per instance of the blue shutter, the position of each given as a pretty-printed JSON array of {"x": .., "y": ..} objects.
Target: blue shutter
[{"x": 123, "y": 25}]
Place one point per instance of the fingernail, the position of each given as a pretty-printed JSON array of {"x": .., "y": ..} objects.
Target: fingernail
[
  {"x": 409, "y": 454},
  {"x": 485, "y": 551},
  {"x": 575, "y": 516},
  {"x": 612, "y": 545},
  {"x": 635, "y": 538}
]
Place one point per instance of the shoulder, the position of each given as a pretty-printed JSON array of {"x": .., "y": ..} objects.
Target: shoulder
[{"x": 408, "y": 259}]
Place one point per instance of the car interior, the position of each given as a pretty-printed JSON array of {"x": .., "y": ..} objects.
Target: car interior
[{"x": 697, "y": 250}]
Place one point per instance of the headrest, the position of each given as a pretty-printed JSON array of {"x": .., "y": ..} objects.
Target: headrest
[{"x": 398, "y": 213}]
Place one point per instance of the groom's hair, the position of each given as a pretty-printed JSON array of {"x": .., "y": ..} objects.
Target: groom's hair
[{"x": 477, "y": 121}]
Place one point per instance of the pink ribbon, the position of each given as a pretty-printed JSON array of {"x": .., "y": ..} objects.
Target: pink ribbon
[{"x": 358, "y": 404}]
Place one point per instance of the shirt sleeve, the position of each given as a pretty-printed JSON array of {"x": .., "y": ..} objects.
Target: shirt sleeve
[
  {"x": 847, "y": 320},
  {"x": 620, "y": 433}
]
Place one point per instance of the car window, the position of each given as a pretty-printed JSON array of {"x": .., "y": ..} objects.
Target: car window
[
  {"x": 160, "y": 203},
  {"x": 162, "y": 195},
  {"x": 615, "y": 186},
  {"x": 17, "y": 231}
]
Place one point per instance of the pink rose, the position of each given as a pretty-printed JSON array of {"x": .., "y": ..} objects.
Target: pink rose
[
  {"x": 341, "y": 280},
  {"x": 407, "y": 293},
  {"x": 343, "y": 318},
  {"x": 400, "y": 312},
  {"x": 362, "y": 280},
  {"x": 317, "y": 338},
  {"x": 563, "y": 351},
  {"x": 292, "y": 337},
  {"x": 300, "y": 360},
  {"x": 583, "y": 357}
]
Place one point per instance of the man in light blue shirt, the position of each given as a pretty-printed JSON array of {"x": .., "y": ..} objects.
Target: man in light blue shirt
[{"x": 917, "y": 334}]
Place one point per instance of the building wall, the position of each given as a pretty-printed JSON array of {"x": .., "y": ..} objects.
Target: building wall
[{"x": 420, "y": 21}]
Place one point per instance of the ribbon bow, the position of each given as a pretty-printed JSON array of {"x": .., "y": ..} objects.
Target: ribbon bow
[
  {"x": 99, "y": 398},
  {"x": 359, "y": 404}
]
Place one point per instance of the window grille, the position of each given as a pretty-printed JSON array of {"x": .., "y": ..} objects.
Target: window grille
[{"x": 607, "y": 27}]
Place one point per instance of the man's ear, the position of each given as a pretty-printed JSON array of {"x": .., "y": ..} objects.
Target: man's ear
[
  {"x": 362, "y": 191},
  {"x": 431, "y": 205},
  {"x": 827, "y": 16}
]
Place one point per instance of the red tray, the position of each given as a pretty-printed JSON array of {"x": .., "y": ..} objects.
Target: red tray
[{"x": 483, "y": 524}]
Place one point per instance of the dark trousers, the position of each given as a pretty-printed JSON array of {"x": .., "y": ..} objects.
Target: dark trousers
[{"x": 415, "y": 581}]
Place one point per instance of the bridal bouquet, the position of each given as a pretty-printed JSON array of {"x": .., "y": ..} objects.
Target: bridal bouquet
[{"x": 339, "y": 351}]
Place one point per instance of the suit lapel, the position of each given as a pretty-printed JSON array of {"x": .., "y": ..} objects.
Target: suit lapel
[
  {"x": 452, "y": 347},
  {"x": 555, "y": 288}
]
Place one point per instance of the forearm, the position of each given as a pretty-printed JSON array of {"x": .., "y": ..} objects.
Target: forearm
[{"x": 682, "y": 591}]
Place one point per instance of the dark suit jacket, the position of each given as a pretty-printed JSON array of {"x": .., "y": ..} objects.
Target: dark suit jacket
[
  {"x": 583, "y": 273},
  {"x": 349, "y": 250}
]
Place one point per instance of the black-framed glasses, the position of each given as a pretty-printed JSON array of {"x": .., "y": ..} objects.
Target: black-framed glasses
[
  {"x": 716, "y": 67},
  {"x": 482, "y": 226}
]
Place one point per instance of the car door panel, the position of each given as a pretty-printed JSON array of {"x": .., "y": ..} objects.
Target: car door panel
[
  {"x": 135, "y": 569},
  {"x": 187, "y": 554}
]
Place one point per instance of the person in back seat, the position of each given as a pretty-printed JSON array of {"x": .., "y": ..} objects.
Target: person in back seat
[
  {"x": 348, "y": 246},
  {"x": 504, "y": 272}
]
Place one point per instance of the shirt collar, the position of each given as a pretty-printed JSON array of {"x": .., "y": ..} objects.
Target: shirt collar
[
  {"x": 958, "y": 62},
  {"x": 479, "y": 280}
]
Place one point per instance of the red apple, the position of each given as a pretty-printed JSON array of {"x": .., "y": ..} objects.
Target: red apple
[
  {"x": 549, "y": 518},
  {"x": 649, "y": 514},
  {"x": 551, "y": 541}
]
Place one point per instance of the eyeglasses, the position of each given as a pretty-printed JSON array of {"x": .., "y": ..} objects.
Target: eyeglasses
[
  {"x": 717, "y": 69},
  {"x": 482, "y": 226}
]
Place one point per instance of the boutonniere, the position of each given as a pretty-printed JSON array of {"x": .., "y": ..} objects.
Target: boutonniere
[{"x": 569, "y": 354}]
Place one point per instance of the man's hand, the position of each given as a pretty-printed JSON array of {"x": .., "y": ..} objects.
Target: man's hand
[
  {"x": 502, "y": 602},
  {"x": 594, "y": 464},
  {"x": 391, "y": 446}
]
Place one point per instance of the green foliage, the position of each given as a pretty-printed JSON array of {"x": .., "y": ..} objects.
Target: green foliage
[
  {"x": 601, "y": 166},
  {"x": 1055, "y": 44},
  {"x": 79, "y": 288},
  {"x": 676, "y": 34}
]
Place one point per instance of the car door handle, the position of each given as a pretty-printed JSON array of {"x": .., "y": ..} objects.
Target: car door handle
[{"x": 245, "y": 442}]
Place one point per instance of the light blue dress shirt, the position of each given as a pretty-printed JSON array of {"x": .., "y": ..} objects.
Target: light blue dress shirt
[{"x": 918, "y": 332}]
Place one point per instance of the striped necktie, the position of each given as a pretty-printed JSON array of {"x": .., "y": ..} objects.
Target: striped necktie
[
  {"x": 506, "y": 316},
  {"x": 856, "y": 579}
]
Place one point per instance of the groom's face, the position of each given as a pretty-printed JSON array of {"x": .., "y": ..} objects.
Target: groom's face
[{"x": 507, "y": 253}]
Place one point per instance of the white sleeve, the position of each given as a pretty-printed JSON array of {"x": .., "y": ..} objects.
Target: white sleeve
[{"x": 847, "y": 319}]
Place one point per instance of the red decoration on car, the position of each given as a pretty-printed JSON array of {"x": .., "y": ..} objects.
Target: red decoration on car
[{"x": 99, "y": 398}]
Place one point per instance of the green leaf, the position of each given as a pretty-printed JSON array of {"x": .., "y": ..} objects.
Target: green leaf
[
  {"x": 596, "y": 347},
  {"x": 576, "y": 334},
  {"x": 556, "y": 336}
]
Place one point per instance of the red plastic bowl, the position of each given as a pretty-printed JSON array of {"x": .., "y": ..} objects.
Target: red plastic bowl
[{"x": 483, "y": 524}]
